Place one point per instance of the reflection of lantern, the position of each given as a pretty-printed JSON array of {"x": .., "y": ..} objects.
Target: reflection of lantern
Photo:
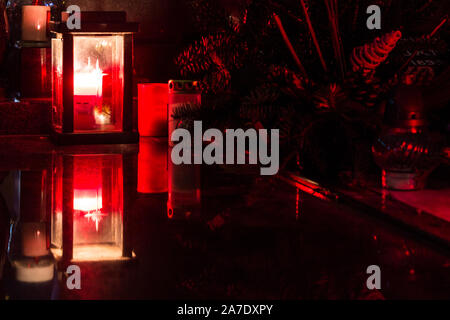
[
  {"x": 92, "y": 80},
  {"x": 92, "y": 194}
]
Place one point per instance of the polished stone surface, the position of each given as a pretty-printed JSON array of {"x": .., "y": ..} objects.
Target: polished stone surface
[{"x": 249, "y": 237}]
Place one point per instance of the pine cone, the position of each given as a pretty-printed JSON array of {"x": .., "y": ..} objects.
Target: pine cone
[{"x": 368, "y": 57}]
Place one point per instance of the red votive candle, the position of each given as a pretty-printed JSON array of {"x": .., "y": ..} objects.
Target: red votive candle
[
  {"x": 152, "y": 108},
  {"x": 34, "y": 239}
]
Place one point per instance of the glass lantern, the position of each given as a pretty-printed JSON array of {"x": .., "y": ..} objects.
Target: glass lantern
[
  {"x": 92, "y": 194},
  {"x": 92, "y": 80}
]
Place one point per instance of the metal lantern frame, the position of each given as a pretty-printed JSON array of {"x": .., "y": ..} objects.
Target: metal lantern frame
[{"x": 93, "y": 24}]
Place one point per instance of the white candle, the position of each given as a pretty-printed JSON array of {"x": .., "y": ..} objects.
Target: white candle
[
  {"x": 34, "y": 272},
  {"x": 152, "y": 165},
  {"x": 34, "y": 239},
  {"x": 34, "y": 23}
]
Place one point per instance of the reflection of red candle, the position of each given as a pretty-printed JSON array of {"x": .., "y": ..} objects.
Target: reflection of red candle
[
  {"x": 88, "y": 93},
  {"x": 87, "y": 200},
  {"x": 152, "y": 166}
]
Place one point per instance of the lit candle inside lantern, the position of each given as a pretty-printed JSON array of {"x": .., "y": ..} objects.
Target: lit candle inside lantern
[
  {"x": 34, "y": 271},
  {"x": 34, "y": 23},
  {"x": 88, "y": 92},
  {"x": 184, "y": 189},
  {"x": 181, "y": 93}
]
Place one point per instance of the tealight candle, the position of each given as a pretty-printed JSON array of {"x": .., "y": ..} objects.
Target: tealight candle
[
  {"x": 32, "y": 271},
  {"x": 34, "y": 23}
]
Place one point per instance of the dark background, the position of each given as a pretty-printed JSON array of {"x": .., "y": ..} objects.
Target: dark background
[{"x": 166, "y": 28}]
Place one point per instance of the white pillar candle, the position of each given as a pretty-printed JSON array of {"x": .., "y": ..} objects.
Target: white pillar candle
[
  {"x": 34, "y": 23},
  {"x": 184, "y": 189}
]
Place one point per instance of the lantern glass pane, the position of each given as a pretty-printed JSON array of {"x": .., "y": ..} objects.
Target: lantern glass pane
[
  {"x": 98, "y": 83},
  {"x": 57, "y": 83}
]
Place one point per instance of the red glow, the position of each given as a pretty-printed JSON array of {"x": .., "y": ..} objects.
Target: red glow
[
  {"x": 89, "y": 202},
  {"x": 88, "y": 190},
  {"x": 43, "y": 56},
  {"x": 88, "y": 81},
  {"x": 152, "y": 166},
  {"x": 310, "y": 187},
  {"x": 170, "y": 213},
  {"x": 311, "y": 191},
  {"x": 96, "y": 217}
]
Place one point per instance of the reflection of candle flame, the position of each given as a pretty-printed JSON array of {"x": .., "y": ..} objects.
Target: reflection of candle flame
[
  {"x": 96, "y": 216},
  {"x": 38, "y": 26}
]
